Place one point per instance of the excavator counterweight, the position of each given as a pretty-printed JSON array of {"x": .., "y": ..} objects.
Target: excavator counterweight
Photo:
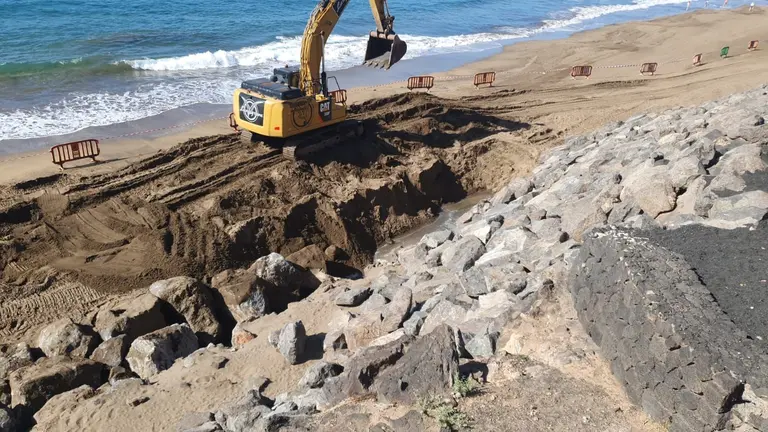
[{"x": 384, "y": 50}]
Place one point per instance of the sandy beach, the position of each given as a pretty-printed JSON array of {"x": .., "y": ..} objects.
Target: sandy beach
[{"x": 538, "y": 73}]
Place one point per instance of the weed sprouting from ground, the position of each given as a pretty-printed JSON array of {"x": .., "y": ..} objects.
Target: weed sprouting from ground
[
  {"x": 447, "y": 415},
  {"x": 464, "y": 387}
]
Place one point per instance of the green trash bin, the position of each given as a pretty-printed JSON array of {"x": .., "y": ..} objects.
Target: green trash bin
[{"x": 724, "y": 52}]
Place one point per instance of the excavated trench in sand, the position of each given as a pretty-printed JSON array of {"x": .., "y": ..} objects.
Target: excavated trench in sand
[{"x": 213, "y": 203}]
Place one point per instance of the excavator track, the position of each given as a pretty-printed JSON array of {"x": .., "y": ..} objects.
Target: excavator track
[{"x": 304, "y": 146}]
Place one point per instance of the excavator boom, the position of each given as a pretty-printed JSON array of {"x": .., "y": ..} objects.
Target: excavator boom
[{"x": 384, "y": 46}]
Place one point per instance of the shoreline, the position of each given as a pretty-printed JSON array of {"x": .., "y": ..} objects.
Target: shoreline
[{"x": 529, "y": 65}]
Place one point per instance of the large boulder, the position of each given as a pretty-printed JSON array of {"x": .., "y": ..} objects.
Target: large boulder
[
  {"x": 65, "y": 337},
  {"x": 193, "y": 300},
  {"x": 287, "y": 282},
  {"x": 132, "y": 318},
  {"x": 34, "y": 385},
  {"x": 462, "y": 254},
  {"x": 157, "y": 351},
  {"x": 436, "y": 238},
  {"x": 292, "y": 342},
  {"x": 379, "y": 322},
  {"x": 112, "y": 352},
  {"x": 651, "y": 188},
  {"x": 243, "y": 292},
  {"x": 427, "y": 368}
]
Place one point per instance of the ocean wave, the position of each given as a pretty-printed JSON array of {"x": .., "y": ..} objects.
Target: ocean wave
[
  {"x": 341, "y": 52},
  {"x": 583, "y": 14},
  {"x": 80, "y": 111}
]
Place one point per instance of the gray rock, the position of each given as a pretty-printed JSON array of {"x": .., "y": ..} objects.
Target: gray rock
[
  {"x": 193, "y": 300},
  {"x": 274, "y": 337},
  {"x": 514, "y": 240},
  {"x": 315, "y": 375},
  {"x": 445, "y": 312},
  {"x": 508, "y": 278},
  {"x": 536, "y": 214},
  {"x": 65, "y": 337},
  {"x": 244, "y": 293},
  {"x": 431, "y": 303},
  {"x": 278, "y": 271},
  {"x": 243, "y": 414},
  {"x": 7, "y": 420},
  {"x": 360, "y": 373},
  {"x": 112, "y": 352},
  {"x": 652, "y": 190},
  {"x": 483, "y": 345},
  {"x": 157, "y": 351},
  {"x": 427, "y": 368},
  {"x": 292, "y": 342},
  {"x": 546, "y": 229},
  {"x": 34, "y": 385},
  {"x": 473, "y": 282},
  {"x": 462, "y": 255},
  {"x": 436, "y": 238},
  {"x": 353, "y": 297},
  {"x": 412, "y": 325},
  {"x": 132, "y": 318},
  {"x": 209, "y": 426},
  {"x": 376, "y": 324},
  {"x": 13, "y": 357},
  {"x": 334, "y": 341}
]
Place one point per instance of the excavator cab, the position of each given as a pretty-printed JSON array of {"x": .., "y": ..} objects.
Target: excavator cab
[{"x": 384, "y": 50}]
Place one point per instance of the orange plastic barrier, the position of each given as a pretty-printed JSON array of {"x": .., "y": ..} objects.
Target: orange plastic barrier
[
  {"x": 581, "y": 71},
  {"x": 648, "y": 68},
  {"x": 753, "y": 45},
  {"x": 73, "y": 151},
  {"x": 485, "y": 78},
  {"x": 697, "y": 60},
  {"x": 339, "y": 96},
  {"x": 419, "y": 82}
]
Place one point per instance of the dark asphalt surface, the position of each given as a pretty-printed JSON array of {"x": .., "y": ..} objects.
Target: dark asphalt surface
[{"x": 733, "y": 264}]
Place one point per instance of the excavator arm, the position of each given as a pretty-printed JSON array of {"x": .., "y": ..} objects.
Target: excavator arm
[{"x": 384, "y": 47}]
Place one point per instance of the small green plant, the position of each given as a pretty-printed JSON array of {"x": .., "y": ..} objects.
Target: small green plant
[
  {"x": 464, "y": 386},
  {"x": 446, "y": 415}
]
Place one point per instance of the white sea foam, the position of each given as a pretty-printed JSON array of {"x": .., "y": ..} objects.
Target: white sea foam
[
  {"x": 341, "y": 52},
  {"x": 583, "y": 14}
]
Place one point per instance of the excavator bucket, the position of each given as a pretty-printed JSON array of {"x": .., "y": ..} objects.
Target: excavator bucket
[{"x": 384, "y": 50}]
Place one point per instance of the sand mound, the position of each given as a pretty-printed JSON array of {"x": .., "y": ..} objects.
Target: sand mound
[{"x": 213, "y": 203}]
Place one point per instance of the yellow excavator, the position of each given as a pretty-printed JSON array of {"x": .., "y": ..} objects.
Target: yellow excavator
[{"x": 295, "y": 109}]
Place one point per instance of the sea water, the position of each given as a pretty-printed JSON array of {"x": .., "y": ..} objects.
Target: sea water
[{"x": 71, "y": 64}]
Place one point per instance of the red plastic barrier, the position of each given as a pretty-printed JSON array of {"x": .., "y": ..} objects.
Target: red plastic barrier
[
  {"x": 753, "y": 45},
  {"x": 485, "y": 78},
  {"x": 581, "y": 71},
  {"x": 339, "y": 96},
  {"x": 697, "y": 60},
  {"x": 73, "y": 151},
  {"x": 648, "y": 68},
  {"x": 418, "y": 82}
]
